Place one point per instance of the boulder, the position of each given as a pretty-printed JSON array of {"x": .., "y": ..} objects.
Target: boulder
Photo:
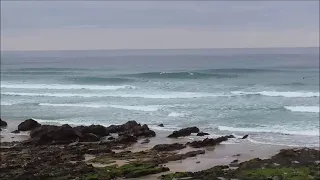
[
  {"x": 161, "y": 125},
  {"x": 28, "y": 125},
  {"x": 207, "y": 142},
  {"x": 245, "y": 136},
  {"x": 126, "y": 139},
  {"x": 184, "y": 132},
  {"x": 89, "y": 137},
  {"x": 230, "y": 136},
  {"x": 202, "y": 134},
  {"x": 3, "y": 123},
  {"x": 48, "y": 134},
  {"x": 98, "y": 130},
  {"x": 168, "y": 147},
  {"x": 132, "y": 128}
]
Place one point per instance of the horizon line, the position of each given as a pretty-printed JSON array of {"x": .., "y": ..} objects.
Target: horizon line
[{"x": 159, "y": 49}]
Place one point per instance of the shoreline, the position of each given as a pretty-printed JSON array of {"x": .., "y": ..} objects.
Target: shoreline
[{"x": 222, "y": 154}]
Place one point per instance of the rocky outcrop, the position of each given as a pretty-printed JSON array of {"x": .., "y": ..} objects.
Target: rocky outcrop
[
  {"x": 3, "y": 123},
  {"x": 168, "y": 147},
  {"x": 184, "y": 132},
  {"x": 28, "y": 125},
  {"x": 126, "y": 139},
  {"x": 161, "y": 125},
  {"x": 48, "y": 134},
  {"x": 207, "y": 142},
  {"x": 202, "y": 134},
  {"x": 132, "y": 128},
  {"x": 98, "y": 130}
]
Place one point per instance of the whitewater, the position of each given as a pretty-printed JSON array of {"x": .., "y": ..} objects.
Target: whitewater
[{"x": 272, "y": 97}]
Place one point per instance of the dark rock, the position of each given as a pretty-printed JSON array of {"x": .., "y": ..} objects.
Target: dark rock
[
  {"x": 161, "y": 125},
  {"x": 28, "y": 125},
  {"x": 198, "y": 162},
  {"x": 98, "y": 130},
  {"x": 207, "y": 142},
  {"x": 146, "y": 141},
  {"x": 235, "y": 161},
  {"x": 3, "y": 123},
  {"x": 132, "y": 128},
  {"x": 184, "y": 132},
  {"x": 126, "y": 139},
  {"x": 111, "y": 138},
  {"x": 202, "y": 134},
  {"x": 245, "y": 136},
  {"x": 89, "y": 137},
  {"x": 49, "y": 134},
  {"x": 230, "y": 136},
  {"x": 15, "y": 131},
  {"x": 168, "y": 147},
  {"x": 236, "y": 155}
]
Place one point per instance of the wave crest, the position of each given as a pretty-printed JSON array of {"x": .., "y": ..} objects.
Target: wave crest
[
  {"x": 312, "y": 109},
  {"x": 278, "y": 93}
]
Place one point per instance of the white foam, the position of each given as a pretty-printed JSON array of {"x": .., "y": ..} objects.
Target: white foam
[
  {"x": 176, "y": 114},
  {"x": 63, "y": 86},
  {"x": 3, "y": 103},
  {"x": 312, "y": 109},
  {"x": 136, "y": 108},
  {"x": 278, "y": 93},
  {"x": 271, "y": 130},
  {"x": 174, "y": 95}
]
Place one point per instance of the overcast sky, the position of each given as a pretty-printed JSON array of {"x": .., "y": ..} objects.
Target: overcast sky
[{"x": 79, "y": 25}]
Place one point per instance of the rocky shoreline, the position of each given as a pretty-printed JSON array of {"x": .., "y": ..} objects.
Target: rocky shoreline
[{"x": 97, "y": 152}]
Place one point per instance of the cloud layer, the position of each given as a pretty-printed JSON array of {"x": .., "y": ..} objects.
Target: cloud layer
[{"x": 158, "y": 25}]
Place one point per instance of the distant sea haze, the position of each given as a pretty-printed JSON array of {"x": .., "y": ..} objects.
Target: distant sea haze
[{"x": 270, "y": 94}]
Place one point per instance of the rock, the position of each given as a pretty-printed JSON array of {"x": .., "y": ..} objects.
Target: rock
[
  {"x": 49, "y": 134},
  {"x": 146, "y": 141},
  {"x": 184, "y": 132},
  {"x": 207, "y": 142},
  {"x": 202, "y": 134},
  {"x": 98, "y": 130},
  {"x": 126, "y": 139},
  {"x": 236, "y": 155},
  {"x": 230, "y": 136},
  {"x": 3, "y": 123},
  {"x": 89, "y": 137},
  {"x": 28, "y": 125},
  {"x": 111, "y": 138},
  {"x": 161, "y": 125},
  {"x": 132, "y": 128},
  {"x": 15, "y": 131},
  {"x": 198, "y": 162},
  {"x": 245, "y": 136},
  {"x": 168, "y": 147},
  {"x": 235, "y": 161}
]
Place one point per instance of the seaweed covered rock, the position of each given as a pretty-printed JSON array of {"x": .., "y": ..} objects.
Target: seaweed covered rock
[
  {"x": 132, "y": 128},
  {"x": 207, "y": 142},
  {"x": 184, "y": 132},
  {"x": 28, "y": 125},
  {"x": 49, "y": 134},
  {"x": 168, "y": 147},
  {"x": 98, "y": 130}
]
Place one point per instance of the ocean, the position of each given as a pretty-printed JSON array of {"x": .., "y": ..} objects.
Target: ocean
[{"x": 270, "y": 94}]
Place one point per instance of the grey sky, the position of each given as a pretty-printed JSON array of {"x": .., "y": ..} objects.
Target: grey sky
[{"x": 75, "y": 25}]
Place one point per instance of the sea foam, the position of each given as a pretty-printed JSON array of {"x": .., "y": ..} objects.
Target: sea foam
[{"x": 311, "y": 109}]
